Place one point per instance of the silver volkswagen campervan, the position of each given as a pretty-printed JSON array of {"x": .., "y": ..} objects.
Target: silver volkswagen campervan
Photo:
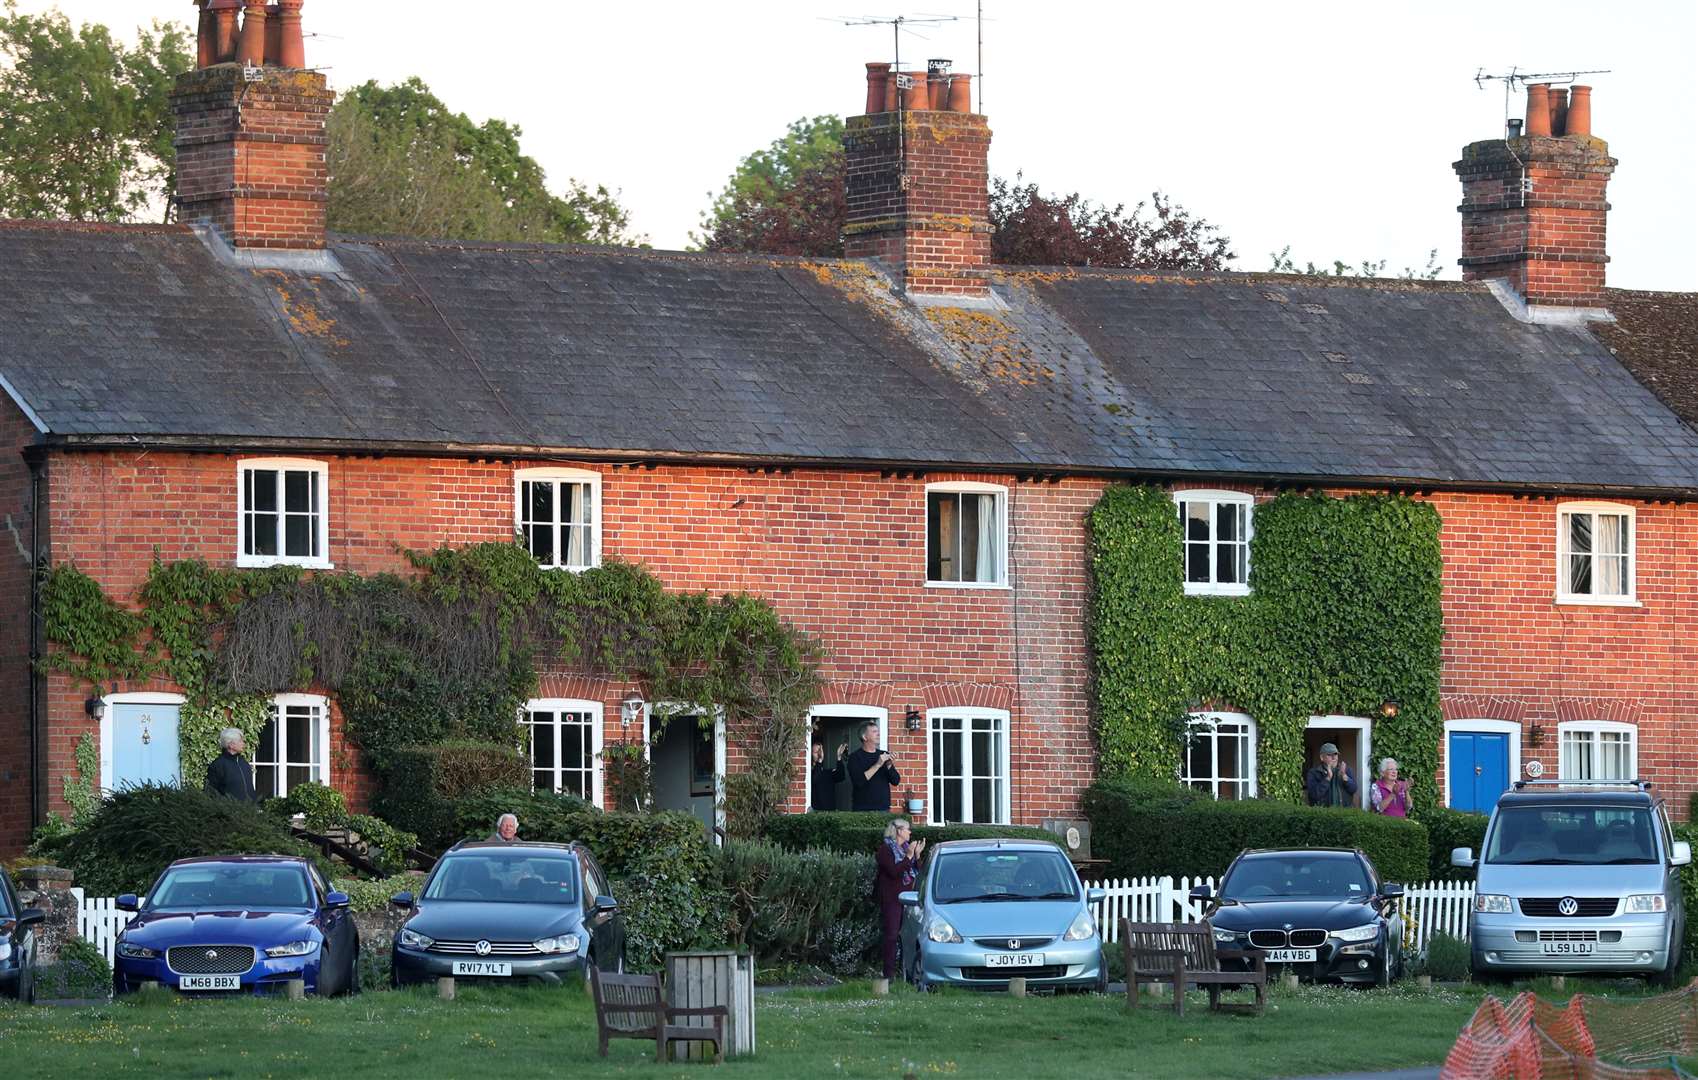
[{"x": 1577, "y": 878}]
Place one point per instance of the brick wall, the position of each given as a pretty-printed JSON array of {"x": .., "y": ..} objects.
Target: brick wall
[{"x": 16, "y": 432}]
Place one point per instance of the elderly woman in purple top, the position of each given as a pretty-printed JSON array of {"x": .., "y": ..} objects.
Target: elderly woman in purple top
[{"x": 898, "y": 867}]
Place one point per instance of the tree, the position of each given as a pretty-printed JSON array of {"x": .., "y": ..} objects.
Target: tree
[
  {"x": 785, "y": 200},
  {"x": 87, "y": 121},
  {"x": 401, "y": 163},
  {"x": 788, "y": 199},
  {"x": 1283, "y": 264}
]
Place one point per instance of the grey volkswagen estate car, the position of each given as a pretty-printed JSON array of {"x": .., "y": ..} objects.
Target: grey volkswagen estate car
[{"x": 1577, "y": 878}]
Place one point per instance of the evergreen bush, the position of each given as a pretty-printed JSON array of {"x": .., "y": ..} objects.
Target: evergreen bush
[
  {"x": 858, "y": 832},
  {"x": 1447, "y": 829}
]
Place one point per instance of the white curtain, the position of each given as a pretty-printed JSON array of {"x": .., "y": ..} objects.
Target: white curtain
[{"x": 989, "y": 556}]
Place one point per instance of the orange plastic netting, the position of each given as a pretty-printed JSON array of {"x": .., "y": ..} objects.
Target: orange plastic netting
[{"x": 1591, "y": 1038}]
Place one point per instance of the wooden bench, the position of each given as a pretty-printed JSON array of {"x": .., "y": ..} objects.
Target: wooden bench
[
  {"x": 1184, "y": 955},
  {"x": 634, "y": 1007}
]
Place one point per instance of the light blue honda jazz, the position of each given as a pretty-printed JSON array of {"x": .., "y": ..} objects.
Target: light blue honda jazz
[{"x": 987, "y": 910}]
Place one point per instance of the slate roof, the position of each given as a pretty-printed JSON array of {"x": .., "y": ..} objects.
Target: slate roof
[
  {"x": 118, "y": 332},
  {"x": 1656, "y": 336}
]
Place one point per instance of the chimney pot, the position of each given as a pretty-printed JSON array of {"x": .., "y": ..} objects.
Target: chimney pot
[
  {"x": 1514, "y": 127},
  {"x": 1580, "y": 112},
  {"x": 224, "y": 29},
  {"x": 291, "y": 50},
  {"x": 1538, "y": 109},
  {"x": 1559, "y": 110},
  {"x": 892, "y": 92},
  {"x": 961, "y": 93},
  {"x": 205, "y": 47},
  {"x": 877, "y": 76},
  {"x": 917, "y": 98},
  {"x": 937, "y": 84},
  {"x": 250, "y": 49}
]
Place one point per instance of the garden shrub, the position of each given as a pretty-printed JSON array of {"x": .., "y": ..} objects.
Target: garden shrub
[
  {"x": 80, "y": 973},
  {"x": 858, "y": 832},
  {"x": 1179, "y": 836},
  {"x": 372, "y": 894},
  {"x": 139, "y": 831},
  {"x": 324, "y": 808},
  {"x": 1688, "y": 831},
  {"x": 419, "y": 790},
  {"x": 666, "y": 907},
  {"x": 812, "y": 906},
  {"x": 1446, "y": 829},
  {"x": 617, "y": 840},
  {"x": 1447, "y": 958}
]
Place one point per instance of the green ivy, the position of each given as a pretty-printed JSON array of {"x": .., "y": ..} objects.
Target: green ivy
[
  {"x": 79, "y": 788},
  {"x": 1343, "y": 615},
  {"x": 101, "y": 639}
]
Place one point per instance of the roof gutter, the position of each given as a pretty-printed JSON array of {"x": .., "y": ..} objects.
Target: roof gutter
[{"x": 1027, "y": 470}]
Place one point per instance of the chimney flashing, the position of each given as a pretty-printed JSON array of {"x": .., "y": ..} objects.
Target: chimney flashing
[
  {"x": 320, "y": 261},
  {"x": 1543, "y": 314}
]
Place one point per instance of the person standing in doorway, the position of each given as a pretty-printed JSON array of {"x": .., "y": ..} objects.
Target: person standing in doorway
[
  {"x": 1388, "y": 795},
  {"x": 872, "y": 773},
  {"x": 825, "y": 778},
  {"x": 1330, "y": 783},
  {"x": 230, "y": 775}
]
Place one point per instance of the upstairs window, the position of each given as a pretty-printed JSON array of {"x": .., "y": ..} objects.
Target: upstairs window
[
  {"x": 282, "y": 513},
  {"x": 1595, "y": 553},
  {"x": 294, "y": 745},
  {"x": 1216, "y": 539},
  {"x": 966, "y": 534},
  {"x": 559, "y": 517}
]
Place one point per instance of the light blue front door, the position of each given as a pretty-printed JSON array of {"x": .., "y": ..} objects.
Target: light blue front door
[
  {"x": 1479, "y": 769},
  {"x": 144, "y": 744}
]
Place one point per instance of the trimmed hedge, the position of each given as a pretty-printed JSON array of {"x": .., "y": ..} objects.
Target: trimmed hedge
[
  {"x": 803, "y": 907},
  {"x": 1194, "y": 837},
  {"x": 617, "y": 838},
  {"x": 859, "y": 832},
  {"x": 1446, "y": 829},
  {"x": 419, "y": 789}
]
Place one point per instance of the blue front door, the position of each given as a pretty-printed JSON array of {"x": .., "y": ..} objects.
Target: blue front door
[
  {"x": 144, "y": 744},
  {"x": 1479, "y": 769}
]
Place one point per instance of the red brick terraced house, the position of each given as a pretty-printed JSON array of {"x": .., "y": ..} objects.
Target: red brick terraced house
[{"x": 897, "y": 449}]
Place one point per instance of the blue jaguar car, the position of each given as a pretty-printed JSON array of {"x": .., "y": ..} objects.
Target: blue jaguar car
[
  {"x": 238, "y": 924},
  {"x": 986, "y": 910}
]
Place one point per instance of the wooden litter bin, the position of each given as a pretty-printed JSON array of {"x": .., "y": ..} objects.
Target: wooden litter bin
[{"x": 699, "y": 979}]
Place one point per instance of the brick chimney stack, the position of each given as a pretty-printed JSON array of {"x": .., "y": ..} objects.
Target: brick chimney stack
[
  {"x": 917, "y": 181},
  {"x": 251, "y": 136},
  {"x": 1533, "y": 206}
]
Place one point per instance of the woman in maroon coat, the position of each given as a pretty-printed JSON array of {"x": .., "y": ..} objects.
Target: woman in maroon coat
[{"x": 898, "y": 867}]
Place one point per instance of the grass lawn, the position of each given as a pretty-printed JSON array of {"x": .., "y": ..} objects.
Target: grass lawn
[{"x": 506, "y": 1032}]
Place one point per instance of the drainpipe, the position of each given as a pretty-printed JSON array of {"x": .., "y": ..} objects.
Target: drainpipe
[{"x": 35, "y": 779}]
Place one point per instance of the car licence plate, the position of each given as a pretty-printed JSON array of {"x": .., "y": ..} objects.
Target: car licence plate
[
  {"x": 1568, "y": 948},
  {"x": 1014, "y": 959},
  {"x": 209, "y": 982},
  {"x": 1290, "y": 956},
  {"x": 483, "y": 967}
]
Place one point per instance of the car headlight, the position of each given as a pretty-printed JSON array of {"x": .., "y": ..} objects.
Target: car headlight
[
  {"x": 565, "y": 943},
  {"x": 1645, "y": 903},
  {"x": 1491, "y": 903},
  {"x": 1083, "y": 929},
  {"x": 136, "y": 952},
  {"x": 1226, "y": 937},
  {"x": 941, "y": 932},
  {"x": 294, "y": 948},
  {"x": 1365, "y": 932},
  {"x": 412, "y": 939}
]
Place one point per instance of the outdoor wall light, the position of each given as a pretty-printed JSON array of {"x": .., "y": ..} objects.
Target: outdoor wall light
[
  {"x": 1536, "y": 734},
  {"x": 631, "y": 709},
  {"x": 1389, "y": 708},
  {"x": 911, "y": 719},
  {"x": 95, "y": 707}
]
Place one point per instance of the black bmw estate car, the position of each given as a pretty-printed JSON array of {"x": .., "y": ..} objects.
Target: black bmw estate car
[
  {"x": 1324, "y": 913},
  {"x": 506, "y": 911}
]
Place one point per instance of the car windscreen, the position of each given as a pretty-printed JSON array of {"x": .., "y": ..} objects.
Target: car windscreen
[
  {"x": 1572, "y": 835},
  {"x": 231, "y": 888},
  {"x": 1314, "y": 877},
  {"x": 505, "y": 877},
  {"x": 1003, "y": 875}
]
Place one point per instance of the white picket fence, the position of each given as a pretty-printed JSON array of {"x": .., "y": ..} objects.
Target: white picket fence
[
  {"x": 99, "y": 921},
  {"x": 1428, "y": 909}
]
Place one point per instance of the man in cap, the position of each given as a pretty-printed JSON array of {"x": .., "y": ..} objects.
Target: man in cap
[{"x": 1330, "y": 783}]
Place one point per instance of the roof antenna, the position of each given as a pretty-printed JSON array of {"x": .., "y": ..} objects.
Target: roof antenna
[
  {"x": 1515, "y": 79},
  {"x": 898, "y": 25}
]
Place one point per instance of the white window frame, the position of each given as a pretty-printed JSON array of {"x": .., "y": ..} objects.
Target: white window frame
[
  {"x": 280, "y": 702},
  {"x": 597, "y": 730},
  {"x": 143, "y": 697},
  {"x": 322, "y": 468},
  {"x": 557, "y": 476},
  {"x": 1214, "y": 497},
  {"x": 969, "y": 487},
  {"x": 1595, "y": 728},
  {"x": 837, "y": 712},
  {"x": 1489, "y": 727},
  {"x": 1563, "y": 593},
  {"x": 934, "y": 808},
  {"x": 1211, "y": 721},
  {"x": 669, "y": 709}
]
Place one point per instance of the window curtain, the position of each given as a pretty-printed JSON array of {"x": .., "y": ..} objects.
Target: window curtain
[{"x": 989, "y": 558}]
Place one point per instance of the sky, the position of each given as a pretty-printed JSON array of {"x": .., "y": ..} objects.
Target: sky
[{"x": 1328, "y": 127}]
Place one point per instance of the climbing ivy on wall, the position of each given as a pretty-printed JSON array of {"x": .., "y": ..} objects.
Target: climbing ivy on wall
[{"x": 1343, "y": 615}]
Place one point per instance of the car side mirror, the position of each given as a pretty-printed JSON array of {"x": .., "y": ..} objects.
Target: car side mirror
[
  {"x": 908, "y": 899},
  {"x": 1462, "y": 858},
  {"x": 335, "y": 899},
  {"x": 1392, "y": 890},
  {"x": 1203, "y": 893},
  {"x": 127, "y": 902},
  {"x": 30, "y": 916},
  {"x": 1095, "y": 896},
  {"x": 1682, "y": 853},
  {"x": 606, "y": 903},
  {"x": 402, "y": 899}
]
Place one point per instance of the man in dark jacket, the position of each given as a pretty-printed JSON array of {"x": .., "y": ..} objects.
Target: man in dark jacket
[
  {"x": 1330, "y": 782},
  {"x": 230, "y": 775},
  {"x": 871, "y": 772},
  {"x": 825, "y": 778}
]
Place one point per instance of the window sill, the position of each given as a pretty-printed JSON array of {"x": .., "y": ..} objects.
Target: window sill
[
  {"x": 1599, "y": 601},
  {"x": 569, "y": 569},
  {"x": 260, "y": 562},
  {"x": 1216, "y": 590},
  {"x": 991, "y": 585}
]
